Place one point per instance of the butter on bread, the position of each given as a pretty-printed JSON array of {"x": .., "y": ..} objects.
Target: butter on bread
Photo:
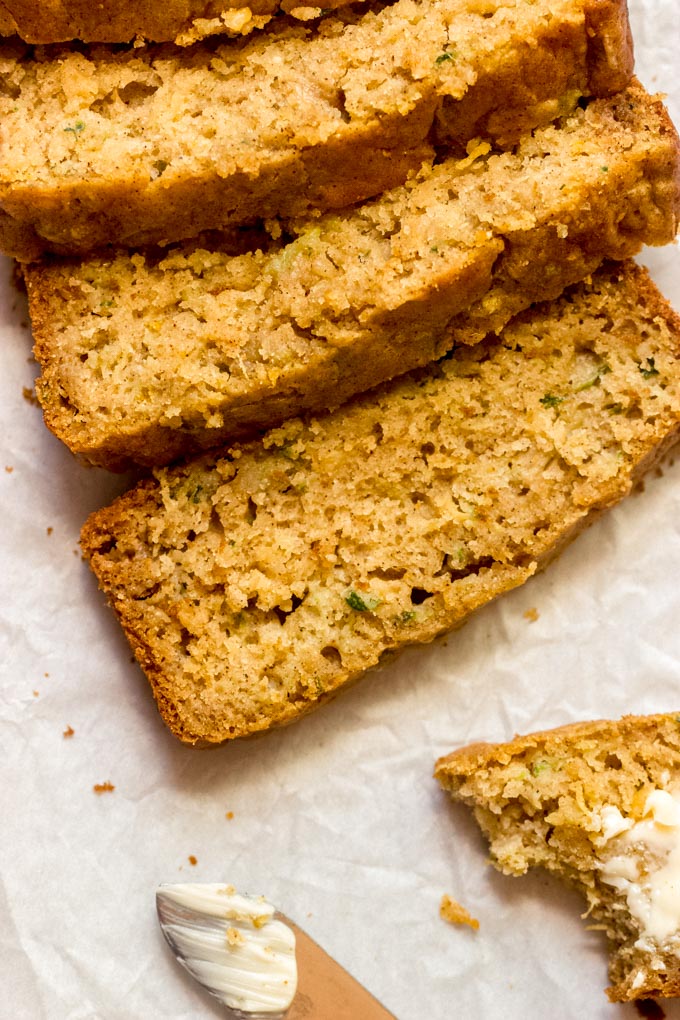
[{"x": 598, "y": 804}]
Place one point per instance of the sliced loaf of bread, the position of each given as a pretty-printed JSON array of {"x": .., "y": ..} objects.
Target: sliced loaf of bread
[
  {"x": 254, "y": 585},
  {"x": 145, "y": 145},
  {"x": 120, "y": 21},
  {"x": 598, "y": 804},
  {"x": 146, "y": 359}
]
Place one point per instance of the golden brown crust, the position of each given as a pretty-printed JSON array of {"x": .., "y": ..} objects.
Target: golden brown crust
[
  {"x": 76, "y": 218},
  {"x": 255, "y": 586},
  {"x": 610, "y": 48},
  {"x": 121, "y": 21},
  {"x": 8, "y": 25},
  {"x": 454, "y": 767},
  {"x": 518, "y": 87},
  {"x": 610, "y": 54}
]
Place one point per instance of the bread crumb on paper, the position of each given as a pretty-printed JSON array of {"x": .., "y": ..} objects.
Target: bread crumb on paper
[
  {"x": 454, "y": 913},
  {"x": 229, "y": 815},
  {"x": 531, "y": 615},
  {"x": 193, "y": 861},
  {"x": 68, "y": 733},
  {"x": 29, "y": 396},
  {"x": 9, "y": 469},
  {"x": 106, "y": 787}
]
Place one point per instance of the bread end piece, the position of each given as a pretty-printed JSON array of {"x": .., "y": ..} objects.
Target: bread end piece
[{"x": 585, "y": 801}]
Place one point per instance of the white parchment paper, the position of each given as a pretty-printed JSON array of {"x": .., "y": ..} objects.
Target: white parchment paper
[{"x": 336, "y": 819}]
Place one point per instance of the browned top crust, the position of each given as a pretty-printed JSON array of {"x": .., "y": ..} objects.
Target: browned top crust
[
  {"x": 120, "y": 21},
  {"x": 468, "y": 760}
]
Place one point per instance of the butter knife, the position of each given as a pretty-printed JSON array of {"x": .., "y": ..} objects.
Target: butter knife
[{"x": 257, "y": 962}]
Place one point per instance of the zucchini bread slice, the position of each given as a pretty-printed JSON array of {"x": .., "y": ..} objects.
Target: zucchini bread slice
[
  {"x": 120, "y": 21},
  {"x": 146, "y": 145},
  {"x": 255, "y": 584},
  {"x": 597, "y": 803},
  {"x": 144, "y": 360}
]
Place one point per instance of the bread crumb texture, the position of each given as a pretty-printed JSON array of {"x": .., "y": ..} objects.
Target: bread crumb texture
[
  {"x": 590, "y": 802},
  {"x": 455, "y": 913},
  {"x": 234, "y": 343},
  {"x": 235, "y": 937},
  {"x": 151, "y": 144},
  {"x": 255, "y": 584}
]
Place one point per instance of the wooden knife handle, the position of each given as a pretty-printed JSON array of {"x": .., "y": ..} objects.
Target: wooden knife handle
[{"x": 325, "y": 990}]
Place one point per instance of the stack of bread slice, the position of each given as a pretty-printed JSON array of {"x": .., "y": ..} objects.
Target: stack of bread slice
[
  {"x": 254, "y": 585},
  {"x": 236, "y": 342},
  {"x": 409, "y": 219}
]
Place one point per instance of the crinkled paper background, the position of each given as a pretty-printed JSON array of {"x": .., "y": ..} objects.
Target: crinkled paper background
[{"x": 337, "y": 819}]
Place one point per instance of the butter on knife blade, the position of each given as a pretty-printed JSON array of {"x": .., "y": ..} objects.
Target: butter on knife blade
[{"x": 257, "y": 962}]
